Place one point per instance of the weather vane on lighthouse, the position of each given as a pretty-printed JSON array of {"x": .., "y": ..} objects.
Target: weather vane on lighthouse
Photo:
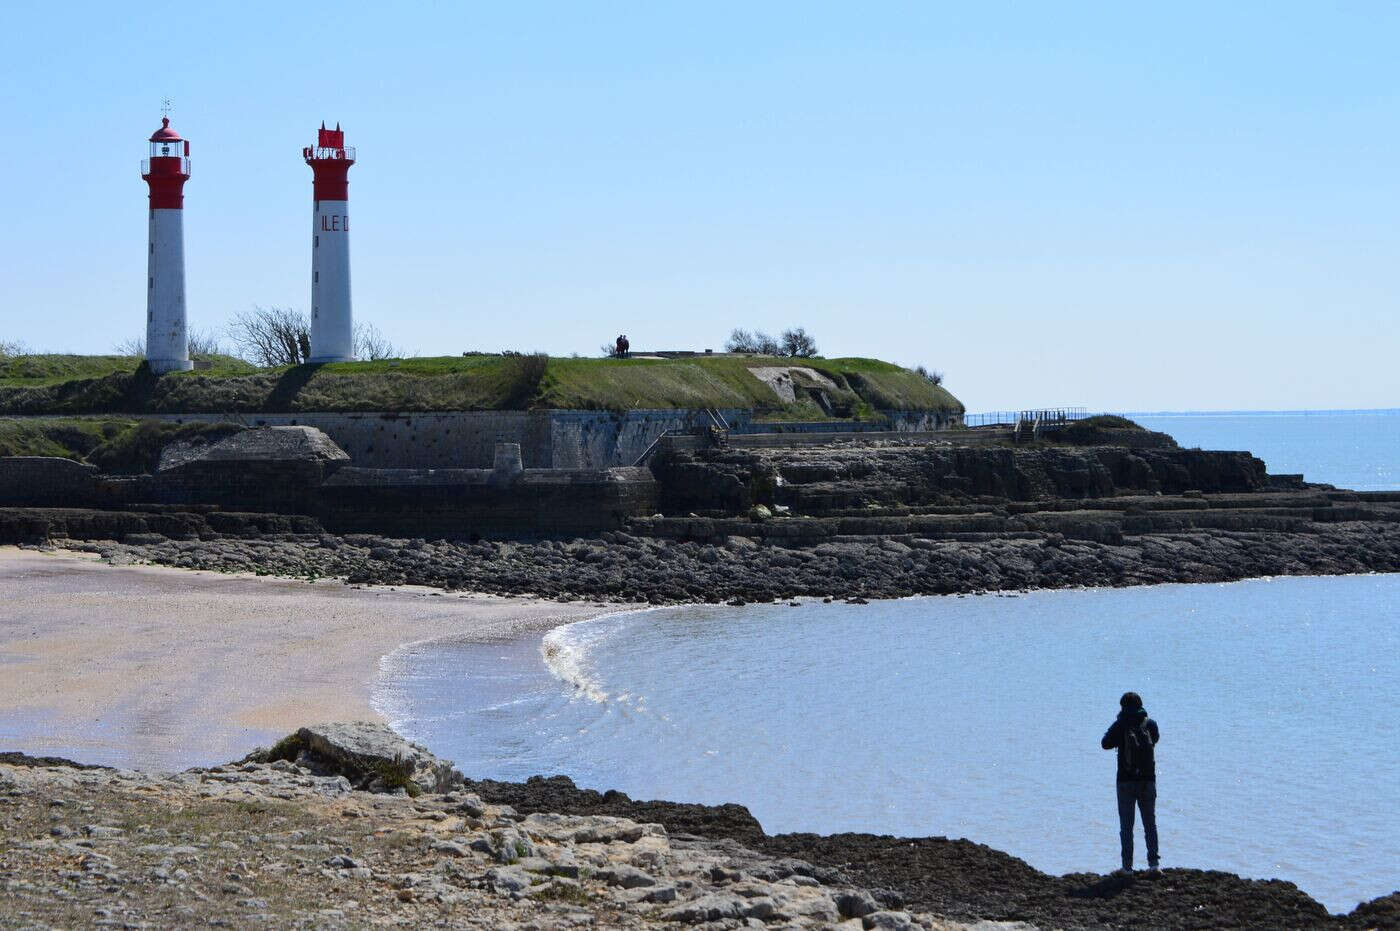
[{"x": 166, "y": 105}]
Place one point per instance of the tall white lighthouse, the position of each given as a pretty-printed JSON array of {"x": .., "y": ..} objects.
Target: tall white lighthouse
[
  {"x": 332, "y": 328},
  {"x": 165, "y": 173}
]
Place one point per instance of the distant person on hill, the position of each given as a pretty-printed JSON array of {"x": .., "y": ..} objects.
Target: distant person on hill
[
  {"x": 623, "y": 346},
  {"x": 1134, "y": 735}
]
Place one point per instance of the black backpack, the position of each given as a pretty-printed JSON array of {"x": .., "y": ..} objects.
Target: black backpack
[{"x": 1137, "y": 750}]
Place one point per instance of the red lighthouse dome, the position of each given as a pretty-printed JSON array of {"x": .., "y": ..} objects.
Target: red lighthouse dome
[{"x": 165, "y": 133}]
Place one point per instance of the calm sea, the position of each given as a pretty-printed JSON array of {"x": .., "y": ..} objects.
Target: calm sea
[
  {"x": 1349, "y": 449},
  {"x": 976, "y": 717}
]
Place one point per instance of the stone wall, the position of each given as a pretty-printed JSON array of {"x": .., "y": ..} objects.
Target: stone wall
[
  {"x": 447, "y": 440},
  {"x": 460, "y": 503},
  {"x": 46, "y": 481},
  {"x": 553, "y": 439}
]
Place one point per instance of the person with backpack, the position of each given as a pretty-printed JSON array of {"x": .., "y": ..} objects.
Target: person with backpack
[{"x": 1133, "y": 734}]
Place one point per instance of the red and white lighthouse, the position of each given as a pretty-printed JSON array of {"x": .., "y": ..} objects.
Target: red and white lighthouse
[
  {"x": 332, "y": 327},
  {"x": 165, "y": 172}
]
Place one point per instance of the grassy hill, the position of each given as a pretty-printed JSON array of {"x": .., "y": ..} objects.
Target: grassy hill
[
  {"x": 51, "y": 368},
  {"x": 78, "y": 385}
]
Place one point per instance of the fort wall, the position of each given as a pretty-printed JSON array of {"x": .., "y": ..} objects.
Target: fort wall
[{"x": 548, "y": 439}]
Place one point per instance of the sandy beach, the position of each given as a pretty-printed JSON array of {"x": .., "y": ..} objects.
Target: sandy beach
[{"x": 152, "y": 667}]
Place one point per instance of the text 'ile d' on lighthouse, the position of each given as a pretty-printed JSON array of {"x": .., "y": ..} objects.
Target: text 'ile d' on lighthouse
[
  {"x": 165, "y": 173},
  {"x": 332, "y": 329}
]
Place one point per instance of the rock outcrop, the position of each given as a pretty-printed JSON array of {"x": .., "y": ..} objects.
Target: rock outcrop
[
  {"x": 367, "y": 753},
  {"x": 277, "y": 844},
  {"x": 820, "y": 480}
]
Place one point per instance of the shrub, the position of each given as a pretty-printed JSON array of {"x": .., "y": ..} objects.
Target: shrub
[
  {"x": 523, "y": 373},
  {"x": 933, "y": 376},
  {"x": 397, "y": 774}
]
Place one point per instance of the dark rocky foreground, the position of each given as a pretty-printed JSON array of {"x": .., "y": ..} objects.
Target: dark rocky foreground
[
  {"x": 348, "y": 825},
  {"x": 963, "y": 880}
]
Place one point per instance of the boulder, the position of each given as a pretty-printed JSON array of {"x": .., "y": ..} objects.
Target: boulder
[{"x": 370, "y": 755}]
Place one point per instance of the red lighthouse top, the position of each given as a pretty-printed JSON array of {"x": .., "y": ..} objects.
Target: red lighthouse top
[
  {"x": 168, "y": 167},
  {"x": 165, "y": 133},
  {"x": 330, "y": 160}
]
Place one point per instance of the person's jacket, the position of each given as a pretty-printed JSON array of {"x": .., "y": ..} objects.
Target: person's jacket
[{"x": 1146, "y": 765}]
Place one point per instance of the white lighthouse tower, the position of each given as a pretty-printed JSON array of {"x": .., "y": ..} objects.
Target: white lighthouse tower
[
  {"x": 165, "y": 172},
  {"x": 332, "y": 328}
]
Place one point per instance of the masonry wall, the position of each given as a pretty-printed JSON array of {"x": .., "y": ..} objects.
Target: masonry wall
[
  {"x": 448, "y": 440},
  {"x": 552, "y": 439},
  {"x": 46, "y": 481},
  {"x": 461, "y": 503}
]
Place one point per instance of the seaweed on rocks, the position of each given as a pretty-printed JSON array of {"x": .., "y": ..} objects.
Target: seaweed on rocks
[{"x": 965, "y": 880}]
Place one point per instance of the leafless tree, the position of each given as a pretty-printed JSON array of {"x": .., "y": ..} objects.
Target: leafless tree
[
  {"x": 371, "y": 344},
  {"x": 758, "y": 342},
  {"x": 271, "y": 336},
  {"x": 12, "y": 348},
  {"x": 134, "y": 348},
  {"x": 201, "y": 343},
  {"x": 205, "y": 343},
  {"x": 798, "y": 344}
]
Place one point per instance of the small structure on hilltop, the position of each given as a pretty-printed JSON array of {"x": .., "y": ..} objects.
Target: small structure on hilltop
[
  {"x": 165, "y": 172},
  {"x": 332, "y": 327}
]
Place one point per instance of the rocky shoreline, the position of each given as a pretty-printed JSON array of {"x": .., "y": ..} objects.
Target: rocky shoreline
[
  {"x": 349, "y": 826},
  {"x": 623, "y": 567},
  {"x": 298, "y": 838}
]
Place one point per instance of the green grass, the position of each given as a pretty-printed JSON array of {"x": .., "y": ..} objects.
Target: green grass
[
  {"x": 478, "y": 382},
  {"x": 30, "y": 371},
  {"x": 69, "y": 438},
  {"x": 117, "y": 445}
]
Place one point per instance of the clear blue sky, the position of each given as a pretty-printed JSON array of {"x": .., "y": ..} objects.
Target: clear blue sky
[{"x": 1192, "y": 206}]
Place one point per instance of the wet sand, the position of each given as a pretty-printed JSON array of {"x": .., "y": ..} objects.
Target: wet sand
[{"x": 151, "y": 667}]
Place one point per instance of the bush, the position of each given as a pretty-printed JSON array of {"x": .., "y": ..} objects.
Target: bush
[
  {"x": 397, "y": 774},
  {"x": 934, "y": 377},
  {"x": 523, "y": 373}
]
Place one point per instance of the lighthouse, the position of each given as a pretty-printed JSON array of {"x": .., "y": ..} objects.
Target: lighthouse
[
  {"x": 332, "y": 329},
  {"x": 165, "y": 172}
]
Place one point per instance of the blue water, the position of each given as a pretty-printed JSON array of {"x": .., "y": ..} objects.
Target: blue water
[
  {"x": 980, "y": 716},
  {"x": 1349, "y": 449}
]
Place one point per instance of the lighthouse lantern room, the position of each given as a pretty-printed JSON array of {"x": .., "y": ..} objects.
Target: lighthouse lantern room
[
  {"x": 165, "y": 172},
  {"x": 332, "y": 327}
]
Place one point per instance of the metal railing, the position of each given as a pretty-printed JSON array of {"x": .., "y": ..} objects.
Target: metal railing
[
  {"x": 319, "y": 153},
  {"x": 184, "y": 164},
  {"x": 1044, "y": 415}
]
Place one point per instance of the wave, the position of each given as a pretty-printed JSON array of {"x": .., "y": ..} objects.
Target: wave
[{"x": 566, "y": 652}]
